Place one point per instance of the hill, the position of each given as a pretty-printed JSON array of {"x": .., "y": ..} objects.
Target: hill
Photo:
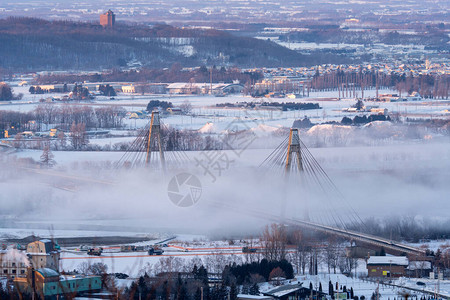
[
  {"x": 40, "y": 44},
  {"x": 37, "y": 44}
]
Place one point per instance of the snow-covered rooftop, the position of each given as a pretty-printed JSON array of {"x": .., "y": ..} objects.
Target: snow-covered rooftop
[
  {"x": 245, "y": 296},
  {"x": 419, "y": 265},
  {"x": 283, "y": 290},
  {"x": 388, "y": 260}
]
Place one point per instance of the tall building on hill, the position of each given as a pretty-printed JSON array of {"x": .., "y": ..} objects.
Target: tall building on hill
[{"x": 108, "y": 19}]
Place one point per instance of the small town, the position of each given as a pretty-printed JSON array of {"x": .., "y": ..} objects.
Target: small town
[{"x": 232, "y": 150}]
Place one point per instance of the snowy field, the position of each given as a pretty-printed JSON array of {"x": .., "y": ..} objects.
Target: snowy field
[{"x": 205, "y": 104}]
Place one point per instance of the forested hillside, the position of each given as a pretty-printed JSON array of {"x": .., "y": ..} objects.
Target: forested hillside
[{"x": 37, "y": 44}]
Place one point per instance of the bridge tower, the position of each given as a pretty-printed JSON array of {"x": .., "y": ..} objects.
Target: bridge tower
[
  {"x": 154, "y": 135},
  {"x": 293, "y": 152},
  {"x": 294, "y": 161}
]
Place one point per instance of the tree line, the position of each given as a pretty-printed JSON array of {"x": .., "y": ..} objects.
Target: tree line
[
  {"x": 174, "y": 74},
  {"x": 62, "y": 116},
  {"x": 6, "y": 93},
  {"x": 348, "y": 82}
]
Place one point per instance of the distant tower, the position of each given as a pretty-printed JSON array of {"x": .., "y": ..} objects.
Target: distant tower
[{"x": 108, "y": 19}]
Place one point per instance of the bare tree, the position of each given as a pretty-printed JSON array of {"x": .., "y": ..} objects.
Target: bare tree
[
  {"x": 331, "y": 255},
  {"x": 276, "y": 275},
  {"x": 78, "y": 136},
  {"x": 186, "y": 107},
  {"x": 274, "y": 240}
]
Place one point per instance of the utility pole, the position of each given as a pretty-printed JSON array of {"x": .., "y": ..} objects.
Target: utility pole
[
  {"x": 376, "y": 84},
  {"x": 210, "y": 81}
]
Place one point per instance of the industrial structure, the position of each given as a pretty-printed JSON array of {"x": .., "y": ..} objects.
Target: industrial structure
[
  {"x": 108, "y": 19},
  {"x": 35, "y": 271},
  {"x": 47, "y": 282}
]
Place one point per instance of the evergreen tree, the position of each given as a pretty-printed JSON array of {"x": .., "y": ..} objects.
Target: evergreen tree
[
  {"x": 222, "y": 292},
  {"x": 195, "y": 272},
  {"x": 5, "y": 91},
  {"x": 346, "y": 121},
  {"x": 245, "y": 289},
  {"x": 254, "y": 289},
  {"x": 47, "y": 157},
  {"x": 233, "y": 291},
  {"x": 198, "y": 294},
  {"x": 182, "y": 294},
  {"x": 203, "y": 275},
  {"x": 320, "y": 287}
]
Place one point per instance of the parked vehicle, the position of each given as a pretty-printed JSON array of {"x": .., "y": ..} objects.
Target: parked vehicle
[
  {"x": 95, "y": 251},
  {"x": 155, "y": 251},
  {"x": 127, "y": 248},
  {"x": 84, "y": 248},
  {"x": 248, "y": 250}
]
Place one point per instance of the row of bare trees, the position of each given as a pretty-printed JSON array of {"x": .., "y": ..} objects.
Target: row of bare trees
[
  {"x": 62, "y": 117},
  {"x": 305, "y": 252},
  {"x": 66, "y": 114},
  {"x": 428, "y": 85}
]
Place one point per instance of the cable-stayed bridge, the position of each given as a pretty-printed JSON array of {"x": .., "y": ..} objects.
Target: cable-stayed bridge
[{"x": 293, "y": 161}]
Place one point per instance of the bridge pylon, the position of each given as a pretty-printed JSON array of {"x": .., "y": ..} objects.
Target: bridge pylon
[
  {"x": 294, "y": 152},
  {"x": 294, "y": 161},
  {"x": 154, "y": 135}
]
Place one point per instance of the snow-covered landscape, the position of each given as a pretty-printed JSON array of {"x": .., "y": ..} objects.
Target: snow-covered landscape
[{"x": 229, "y": 150}]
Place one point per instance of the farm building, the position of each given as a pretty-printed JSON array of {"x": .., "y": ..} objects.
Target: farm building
[{"x": 387, "y": 266}]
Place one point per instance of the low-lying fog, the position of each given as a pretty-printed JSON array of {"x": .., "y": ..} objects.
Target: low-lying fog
[{"x": 409, "y": 179}]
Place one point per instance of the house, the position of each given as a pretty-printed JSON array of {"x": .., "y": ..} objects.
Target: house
[
  {"x": 140, "y": 114},
  {"x": 174, "y": 110},
  {"x": 387, "y": 266},
  {"x": 389, "y": 97},
  {"x": 13, "y": 263},
  {"x": 419, "y": 269},
  {"x": 129, "y": 89},
  {"x": 39, "y": 254},
  {"x": 294, "y": 292},
  {"x": 294, "y": 96},
  {"x": 379, "y": 111},
  {"x": 144, "y": 88},
  {"x": 414, "y": 96}
]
